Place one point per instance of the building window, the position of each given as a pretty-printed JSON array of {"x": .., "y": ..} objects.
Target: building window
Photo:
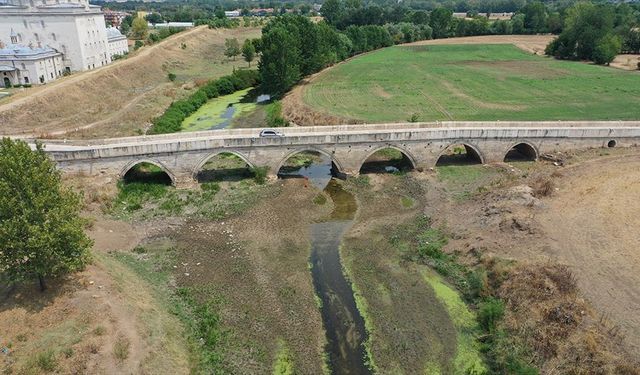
[
  {"x": 53, "y": 36},
  {"x": 42, "y": 24},
  {"x": 51, "y": 75},
  {"x": 26, "y": 80},
  {"x": 36, "y": 36},
  {"x": 24, "y": 67},
  {"x": 26, "y": 25}
]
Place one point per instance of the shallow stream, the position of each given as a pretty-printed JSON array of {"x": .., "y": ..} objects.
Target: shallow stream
[{"x": 343, "y": 323}]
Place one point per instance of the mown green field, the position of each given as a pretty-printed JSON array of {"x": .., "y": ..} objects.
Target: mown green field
[{"x": 472, "y": 82}]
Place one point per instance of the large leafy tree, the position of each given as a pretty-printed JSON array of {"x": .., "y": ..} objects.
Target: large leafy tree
[
  {"x": 139, "y": 28},
  {"x": 41, "y": 231},
  {"x": 440, "y": 21},
  {"x": 587, "y": 26},
  {"x": 280, "y": 61},
  {"x": 332, "y": 11}
]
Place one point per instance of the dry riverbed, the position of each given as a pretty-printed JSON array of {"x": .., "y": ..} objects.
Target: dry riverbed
[{"x": 226, "y": 285}]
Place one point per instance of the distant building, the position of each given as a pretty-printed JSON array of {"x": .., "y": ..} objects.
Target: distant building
[
  {"x": 25, "y": 65},
  {"x": 118, "y": 44},
  {"x": 232, "y": 13},
  {"x": 173, "y": 24},
  {"x": 72, "y": 27},
  {"x": 114, "y": 18},
  {"x": 262, "y": 12}
]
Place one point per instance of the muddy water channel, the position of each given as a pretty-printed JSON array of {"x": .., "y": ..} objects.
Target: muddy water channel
[{"x": 343, "y": 323}]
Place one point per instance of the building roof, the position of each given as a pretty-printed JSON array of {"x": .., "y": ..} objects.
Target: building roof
[
  {"x": 113, "y": 33},
  {"x": 20, "y": 51}
]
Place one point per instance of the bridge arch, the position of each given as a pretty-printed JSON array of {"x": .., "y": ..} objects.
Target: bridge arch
[
  {"x": 336, "y": 164},
  {"x": 405, "y": 153},
  {"x": 472, "y": 151},
  {"x": 199, "y": 167},
  {"x": 156, "y": 163},
  {"x": 521, "y": 151}
]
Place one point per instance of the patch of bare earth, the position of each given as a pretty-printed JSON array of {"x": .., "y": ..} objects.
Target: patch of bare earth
[
  {"x": 103, "y": 320},
  {"x": 121, "y": 98},
  {"x": 255, "y": 268},
  {"x": 572, "y": 295},
  {"x": 626, "y": 62},
  {"x": 534, "y": 44}
]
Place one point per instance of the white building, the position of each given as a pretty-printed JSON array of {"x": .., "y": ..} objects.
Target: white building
[
  {"x": 25, "y": 65},
  {"x": 72, "y": 27},
  {"x": 117, "y": 43}
]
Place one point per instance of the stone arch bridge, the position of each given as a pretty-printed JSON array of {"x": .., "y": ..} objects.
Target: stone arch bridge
[{"x": 182, "y": 155}]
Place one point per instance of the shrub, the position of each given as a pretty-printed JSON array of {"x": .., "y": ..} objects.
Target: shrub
[
  {"x": 121, "y": 348},
  {"x": 490, "y": 312},
  {"x": 137, "y": 45},
  {"x": 171, "y": 76},
  {"x": 274, "y": 115},
  {"x": 260, "y": 174},
  {"x": 47, "y": 361}
]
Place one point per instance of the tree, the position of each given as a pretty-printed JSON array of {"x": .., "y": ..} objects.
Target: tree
[
  {"x": 41, "y": 231},
  {"x": 248, "y": 51},
  {"x": 219, "y": 13},
  {"x": 607, "y": 48},
  {"x": 280, "y": 62},
  {"x": 125, "y": 26},
  {"x": 535, "y": 17},
  {"x": 420, "y": 17},
  {"x": 139, "y": 28},
  {"x": 232, "y": 48},
  {"x": 585, "y": 26},
  {"x": 154, "y": 18},
  {"x": 440, "y": 21},
  {"x": 332, "y": 11}
]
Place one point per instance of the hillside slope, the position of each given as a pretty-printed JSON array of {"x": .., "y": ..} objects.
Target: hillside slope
[{"x": 121, "y": 99}]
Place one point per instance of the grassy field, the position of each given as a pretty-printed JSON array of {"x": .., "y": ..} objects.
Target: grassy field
[{"x": 472, "y": 82}]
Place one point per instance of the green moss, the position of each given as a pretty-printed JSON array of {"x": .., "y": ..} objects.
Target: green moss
[
  {"x": 407, "y": 202},
  {"x": 209, "y": 114},
  {"x": 363, "y": 308},
  {"x": 284, "y": 362},
  {"x": 320, "y": 199},
  {"x": 468, "y": 359}
]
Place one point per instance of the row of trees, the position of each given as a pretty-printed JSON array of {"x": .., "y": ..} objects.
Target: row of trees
[
  {"x": 171, "y": 120},
  {"x": 592, "y": 32}
]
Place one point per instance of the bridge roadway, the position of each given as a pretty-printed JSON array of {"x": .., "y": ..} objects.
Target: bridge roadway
[{"x": 182, "y": 155}]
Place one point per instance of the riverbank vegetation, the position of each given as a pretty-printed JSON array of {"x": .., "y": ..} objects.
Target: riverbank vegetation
[{"x": 172, "y": 119}]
